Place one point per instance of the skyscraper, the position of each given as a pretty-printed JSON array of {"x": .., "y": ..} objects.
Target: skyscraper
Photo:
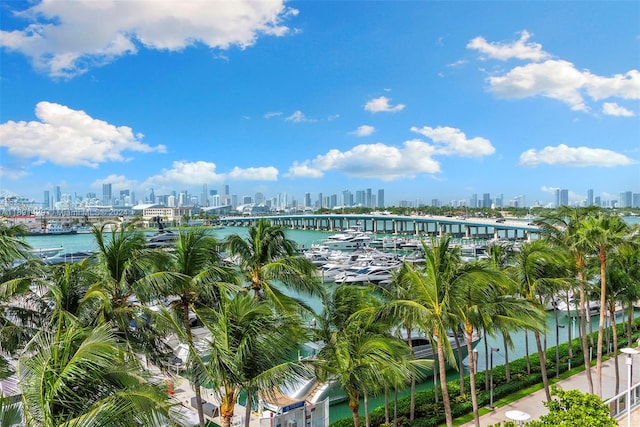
[
  {"x": 46, "y": 203},
  {"x": 381, "y": 198},
  {"x": 562, "y": 197},
  {"x": 590, "y": 197},
  {"x": 106, "y": 195}
]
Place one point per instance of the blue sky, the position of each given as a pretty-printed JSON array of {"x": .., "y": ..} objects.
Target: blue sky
[{"x": 423, "y": 99}]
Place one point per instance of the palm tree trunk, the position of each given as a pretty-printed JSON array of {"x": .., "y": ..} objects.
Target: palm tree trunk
[
  {"x": 486, "y": 361},
  {"x": 603, "y": 295},
  {"x": 412, "y": 409},
  {"x": 195, "y": 375},
  {"x": 247, "y": 409},
  {"x": 612, "y": 311},
  {"x": 435, "y": 380},
  {"x": 472, "y": 376},
  {"x": 507, "y": 368},
  {"x": 445, "y": 393},
  {"x": 386, "y": 406},
  {"x": 354, "y": 405},
  {"x": 629, "y": 331},
  {"x": 583, "y": 338},
  {"x": 460, "y": 370},
  {"x": 526, "y": 349},
  {"x": 543, "y": 366},
  {"x": 365, "y": 398}
]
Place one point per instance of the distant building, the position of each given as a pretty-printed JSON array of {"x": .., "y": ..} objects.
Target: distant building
[{"x": 380, "y": 203}]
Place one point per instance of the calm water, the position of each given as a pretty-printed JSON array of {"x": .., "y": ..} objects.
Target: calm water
[{"x": 80, "y": 242}]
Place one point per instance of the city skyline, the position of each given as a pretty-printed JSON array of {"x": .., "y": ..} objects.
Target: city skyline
[{"x": 426, "y": 100}]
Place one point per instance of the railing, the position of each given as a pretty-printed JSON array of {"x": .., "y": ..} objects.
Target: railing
[{"x": 618, "y": 404}]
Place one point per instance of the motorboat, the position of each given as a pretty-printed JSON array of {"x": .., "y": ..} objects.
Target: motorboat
[
  {"x": 162, "y": 239},
  {"x": 348, "y": 239},
  {"x": 572, "y": 309},
  {"x": 68, "y": 257},
  {"x": 52, "y": 228},
  {"x": 45, "y": 252},
  {"x": 368, "y": 274}
]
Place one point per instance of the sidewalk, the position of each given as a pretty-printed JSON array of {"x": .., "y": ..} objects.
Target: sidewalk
[{"x": 533, "y": 403}]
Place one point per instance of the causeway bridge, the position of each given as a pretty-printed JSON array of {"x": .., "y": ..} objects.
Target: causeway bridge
[{"x": 459, "y": 227}]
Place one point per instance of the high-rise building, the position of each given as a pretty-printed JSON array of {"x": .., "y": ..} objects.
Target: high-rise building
[
  {"x": 106, "y": 195},
  {"x": 562, "y": 197},
  {"x": 259, "y": 198},
  {"x": 226, "y": 199},
  {"x": 368, "y": 203},
  {"x": 307, "y": 200},
  {"x": 58, "y": 195},
  {"x": 360, "y": 198},
  {"x": 486, "y": 200},
  {"x": 320, "y": 201},
  {"x": 204, "y": 197},
  {"x": 626, "y": 199},
  {"x": 473, "y": 202},
  {"x": 380, "y": 203},
  {"x": 590, "y": 197},
  {"x": 636, "y": 200},
  {"x": 46, "y": 202}
]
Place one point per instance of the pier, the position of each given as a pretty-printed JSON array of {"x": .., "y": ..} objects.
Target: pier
[{"x": 432, "y": 225}]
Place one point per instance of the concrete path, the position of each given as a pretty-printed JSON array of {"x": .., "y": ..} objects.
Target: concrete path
[{"x": 533, "y": 403}]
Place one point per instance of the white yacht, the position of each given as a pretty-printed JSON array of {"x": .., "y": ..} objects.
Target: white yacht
[{"x": 349, "y": 239}]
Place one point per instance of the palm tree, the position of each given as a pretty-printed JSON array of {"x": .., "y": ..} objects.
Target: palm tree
[
  {"x": 431, "y": 301},
  {"x": 250, "y": 350},
  {"x": 194, "y": 277},
  {"x": 561, "y": 228},
  {"x": 267, "y": 256},
  {"x": 602, "y": 232},
  {"x": 532, "y": 270},
  {"x": 400, "y": 289},
  {"x": 483, "y": 300},
  {"x": 357, "y": 347},
  {"x": 75, "y": 376}
]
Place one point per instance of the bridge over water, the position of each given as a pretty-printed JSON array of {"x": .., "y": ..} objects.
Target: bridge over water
[{"x": 471, "y": 228}]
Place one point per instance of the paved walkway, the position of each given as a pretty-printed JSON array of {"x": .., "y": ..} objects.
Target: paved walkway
[{"x": 533, "y": 403}]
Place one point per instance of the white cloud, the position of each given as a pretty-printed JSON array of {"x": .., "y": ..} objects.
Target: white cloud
[
  {"x": 625, "y": 86},
  {"x": 364, "y": 130},
  {"x": 186, "y": 173},
  {"x": 563, "y": 155},
  {"x": 299, "y": 117},
  {"x": 452, "y": 141},
  {"x": 613, "y": 109},
  {"x": 372, "y": 161},
  {"x": 518, "y": 49},
  {"x": 268, "y": 173},
  {"x": 303, "y": 170},
  {"x": 555, "y": 79},
  {"x": 112, "y": 29},
  {"x": 272, "y": 114},
  {"x": 381, "y": 104},
  {"x": 69, "y": 137}
]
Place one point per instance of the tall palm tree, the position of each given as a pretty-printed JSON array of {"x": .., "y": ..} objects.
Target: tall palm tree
[
  {"x": 400, "y": 289},
  {"x": 602, "y": 232},
  {"x": 532, "y": 269},
  {"x": 193, "y": 276},
  {"x": 250, "y": 350},
  {"x": 431, "y": 302},
  {"x": 483, "y": 300},
  {"x": 266, "y": 256},
  {"x": 561, "y": 228},
  {"x": 624, "y": 270},
  {"x": 357, "y": 348}
]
